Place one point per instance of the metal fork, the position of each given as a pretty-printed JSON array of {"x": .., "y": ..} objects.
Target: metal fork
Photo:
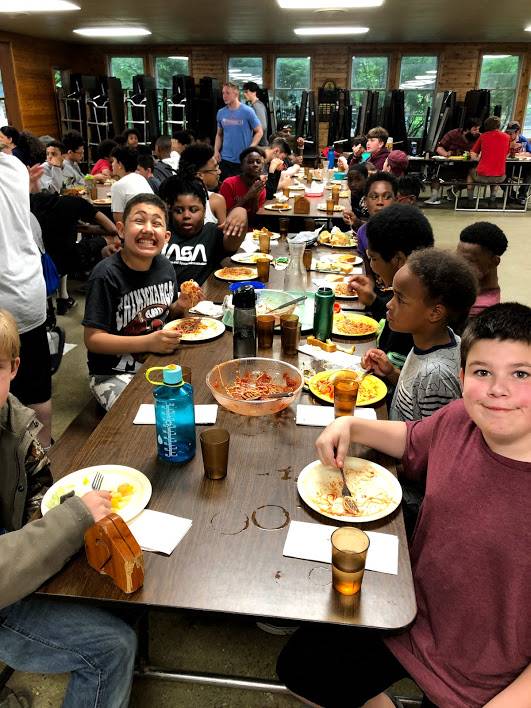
[{"x": 97, "y": 481}]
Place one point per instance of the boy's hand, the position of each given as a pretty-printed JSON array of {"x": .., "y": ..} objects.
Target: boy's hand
[
  {"x": 235, "y": 223},
  {"x": 98, "y": 503},
  {"x": 377, "y": 360},
  {"x": 275, "y": 164},
  {"x": 185, "y": 301},
  {"x": 165, "y": 341},
  {"x": 333, "y": 443},
  {"x": 363, "y": 287}
]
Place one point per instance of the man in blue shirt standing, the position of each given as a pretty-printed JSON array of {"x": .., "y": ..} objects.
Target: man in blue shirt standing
[{"x": 238, "y": 128}]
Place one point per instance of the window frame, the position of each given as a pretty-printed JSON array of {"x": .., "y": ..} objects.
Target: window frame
[
  {"x": 246, "y": 56},
  {"x": 510, "y": 89},
  {"x": 291, "y": 88},
  {"x": 426, "y": 92}
]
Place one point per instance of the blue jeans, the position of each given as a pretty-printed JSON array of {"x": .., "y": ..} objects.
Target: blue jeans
[{"x": 43, "y": 635}]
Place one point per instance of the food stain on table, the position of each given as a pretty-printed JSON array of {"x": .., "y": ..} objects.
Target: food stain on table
[
  {"x": 286, "y": 473},
  {"x": 320, "y": 576},
  {"x": 270, "y": 517}
]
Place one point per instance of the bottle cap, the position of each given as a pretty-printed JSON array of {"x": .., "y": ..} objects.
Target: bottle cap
[
  {"x": 256, "y": 284},
  {"x": 244, "y": 297},
  {"x": 172, "y": 374}
]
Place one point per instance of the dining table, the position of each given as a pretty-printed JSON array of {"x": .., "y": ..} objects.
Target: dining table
[{"x": 231, "y": 560}]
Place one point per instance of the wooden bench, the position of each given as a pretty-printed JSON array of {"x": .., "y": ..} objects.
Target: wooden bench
[{"x": 75, "y": 436}]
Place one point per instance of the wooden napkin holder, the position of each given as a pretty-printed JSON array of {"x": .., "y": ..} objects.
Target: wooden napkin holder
[
  {"x": 112, "y": 550},
  {"x": 301, "y": 205}
]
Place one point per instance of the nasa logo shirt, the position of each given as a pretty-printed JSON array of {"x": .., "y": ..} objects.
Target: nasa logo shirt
[{"x": 196, "y": 257}]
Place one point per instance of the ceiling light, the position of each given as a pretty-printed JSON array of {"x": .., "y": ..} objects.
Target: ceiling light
[
  {"x": 528, "y": 28},
  {"x": 307, "y": 31},
  {"x": 112, "y": 31},
  {"x": 37, "y": 6},
  {"x": 327, "y": 4}
]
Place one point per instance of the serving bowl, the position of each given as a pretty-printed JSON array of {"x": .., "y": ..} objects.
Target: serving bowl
[{"x": 224, "y": 374}]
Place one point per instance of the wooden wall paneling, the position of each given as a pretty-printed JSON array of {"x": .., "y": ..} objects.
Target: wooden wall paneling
[{"x": 10, "y": 86}]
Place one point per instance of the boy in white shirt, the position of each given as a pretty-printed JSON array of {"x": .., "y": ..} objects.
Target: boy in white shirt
[{"x": 124, "y": 163}]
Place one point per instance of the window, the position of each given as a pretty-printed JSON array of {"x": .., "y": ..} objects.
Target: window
[
  {"x": 242, "y": 69},
  {"x": 57, "y": 78},
  {"x": 168, "y": 67},
  {"x": 368, "y": 73},
  {"x": 124, "y": 68},
  {"x": 499, "y": 73},
  {"x": 418, "y": 78},
  {"x": 527, "y": 120},
  {"x": 292, "y": 77}
]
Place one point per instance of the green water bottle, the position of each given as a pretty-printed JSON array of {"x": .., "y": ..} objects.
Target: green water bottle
[{"x": 323, "y": 313}]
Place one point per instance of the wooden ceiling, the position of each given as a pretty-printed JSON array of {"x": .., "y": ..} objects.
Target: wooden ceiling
[{"x": 263, "y": 22}]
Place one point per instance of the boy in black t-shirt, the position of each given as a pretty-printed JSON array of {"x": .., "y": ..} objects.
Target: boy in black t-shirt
[
  {"x": 130, "y": 295},
  {"x": 195, "y": 249}
]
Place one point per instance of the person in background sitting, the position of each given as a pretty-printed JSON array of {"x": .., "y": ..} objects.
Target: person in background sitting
[
  {"x": 276, "y": 164},
  {"x": 519, "y": 144},
  {"x": 380, "y": 192},
  {"x": 376, "y": 146},
  {"x": 454, "y": 142},
  {"x": 75, "y": 153},
  {"x": 39, "y": 634},
  {"x": 396, "y": 163},
  {"x": 357, "y": 176},
  {"x": 248, "y": 189},
  {"x": 198, "y": 161},
  {"x": 164, "y": 165},
  {"x": 250, "y": 92},
  {"x": 482, "y": 244},
  {"x": 492, "y": 148},
  {"x": 359, "y": 146},
  {"x": 179, "y": 141},
  {"x": 195, "y": 248},
  {"x": 53, "y": 177},
  {"x": 409, "y": 188},
  {"x": 16, "y": 143},
  {"x": 102, "y": 170},
  {"x": 145, "y": 164},
  {"x": 131, "y": 138},
  {"x": 130, "y": 183}
]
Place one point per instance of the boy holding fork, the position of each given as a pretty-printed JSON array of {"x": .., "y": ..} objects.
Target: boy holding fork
[{"x": 39, "y": 634}]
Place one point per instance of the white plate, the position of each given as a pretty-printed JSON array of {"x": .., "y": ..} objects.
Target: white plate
[
  {"x": 113, "y": 475},
  {"x": 337, "y": 207},
  {"x": 250, "y": 235},
  {"x": 315, "y": 478},
  {"x": 250, "y": 258},
  {"x": 213, "y": 329},
  {"x": 236, "y": 278},
  {"x": 275, "y": 207}
]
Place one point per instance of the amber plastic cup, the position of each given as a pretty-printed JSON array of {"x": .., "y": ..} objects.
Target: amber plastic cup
[
  {"x": 265, "y": 326},
  {"x": 264, "y": 242},
  {"x": 330, "y": 206},
  {"x": 309, "y": 176},
  {"x": 283, "y": 226},
  {"x": 335, "y": 194},
  {"x": 349, "y": 553},
  {"x": 345, "y": 395},
  {"x": 215, "y": 449},
  {"x": 286, "y": 191},
  {"x": 289, "y": 334},
  {"x": 309, "y": 224},
  {"x": 262, "y": 267},
  {"x": 307, "y": 258},
  {"x": 187, "y": 374}
]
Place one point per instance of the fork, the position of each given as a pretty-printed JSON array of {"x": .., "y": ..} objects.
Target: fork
[
  {"x": 348, "y": 501},
  {"x": 97, "y": 481}
]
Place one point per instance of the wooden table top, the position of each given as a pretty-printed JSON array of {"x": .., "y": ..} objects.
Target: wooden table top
[
  {"x": 315, "y": 213},
  {"x": 231, "y": 559}
]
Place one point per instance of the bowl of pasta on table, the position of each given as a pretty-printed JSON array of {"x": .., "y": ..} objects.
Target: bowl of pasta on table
[{"x": 255, "y": 385}]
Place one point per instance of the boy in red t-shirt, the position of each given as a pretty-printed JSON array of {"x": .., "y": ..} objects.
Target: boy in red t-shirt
[
  {"x": 491, "y": 148},
  {"x": 470, "y": 643}
]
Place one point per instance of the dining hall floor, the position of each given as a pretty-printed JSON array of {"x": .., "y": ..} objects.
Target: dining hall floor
[{"x": 231, "y": 644}]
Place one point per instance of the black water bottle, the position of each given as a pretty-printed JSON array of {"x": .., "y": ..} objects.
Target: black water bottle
[{"x": 244, "y": 322}]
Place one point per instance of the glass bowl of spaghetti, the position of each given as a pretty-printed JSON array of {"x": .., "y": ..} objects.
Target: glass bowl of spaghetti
[{"x": 255, "y": 386}]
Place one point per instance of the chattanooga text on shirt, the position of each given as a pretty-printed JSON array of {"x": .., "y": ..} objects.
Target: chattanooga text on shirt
[
  {"x": 185, "y": 255},
  {"x": 232, "y": 121}
]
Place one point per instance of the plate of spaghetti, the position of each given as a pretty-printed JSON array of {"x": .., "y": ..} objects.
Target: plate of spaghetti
[
  {"x": 347, "y": 324},
  {"x": 376, "y": 493},
  {"x": 371, "y": 391},
  {"x": 234, "y": 274},
  {"x": 197, "y": 329},
  {"x": 250, "y": 257},
  {"x": 341, "y": 291}
]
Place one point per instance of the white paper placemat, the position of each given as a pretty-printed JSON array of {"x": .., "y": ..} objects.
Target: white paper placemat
[
  {"x": 158, "y": 532},
  {"x": 320, "y": 416},
  {"x": 204, "y": 414},
  {"x": 312, "y": 542}
]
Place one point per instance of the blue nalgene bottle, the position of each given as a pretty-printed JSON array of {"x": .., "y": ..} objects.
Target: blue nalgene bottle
[
  {"x": 174, "y": 415},
  {"x": 331, "y": 157}
]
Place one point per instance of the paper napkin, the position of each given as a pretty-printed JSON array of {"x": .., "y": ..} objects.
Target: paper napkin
[
  {"x": 249, "y": 245},
  {"x": 312, "y": 542},
  {"x": 158, "y": 532},
  {"x": 339, "y": 359},
  {"x": 204, "y": 414},
  {"x": 320, "y": 416}
]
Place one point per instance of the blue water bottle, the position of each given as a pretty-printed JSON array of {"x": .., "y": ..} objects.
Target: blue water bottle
[
  {"x": 174, "y": 414},
  {"x": 331, "y": 157}
]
